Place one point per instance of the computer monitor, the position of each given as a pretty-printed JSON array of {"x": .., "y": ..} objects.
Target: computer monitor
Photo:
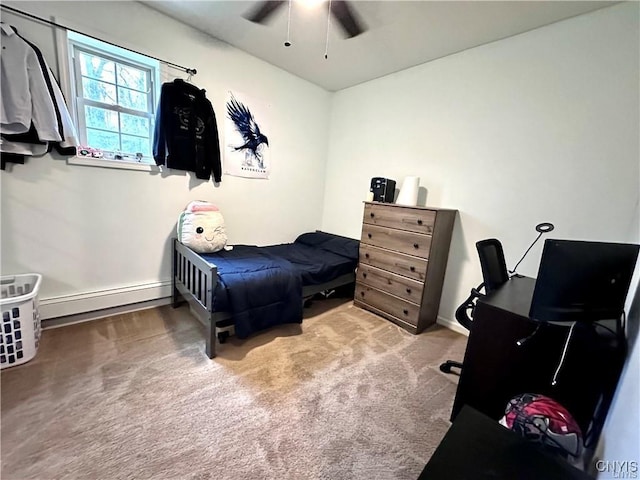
[{"x": 582, "y": 281}]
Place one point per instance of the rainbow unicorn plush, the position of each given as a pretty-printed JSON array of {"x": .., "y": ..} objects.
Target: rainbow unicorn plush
[{"x": 201, "y": 227}]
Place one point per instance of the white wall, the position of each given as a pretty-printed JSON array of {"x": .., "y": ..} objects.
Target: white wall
[
  {"x": 91, "y": 230},
  {"x": 539, "y": 127},
  {"x": 620, "y": 438}
]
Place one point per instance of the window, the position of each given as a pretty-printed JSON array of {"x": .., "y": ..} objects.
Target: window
[{"x": 114, "y": 95}]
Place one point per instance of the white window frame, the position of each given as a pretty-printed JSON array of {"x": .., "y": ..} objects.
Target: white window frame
[{"x": 70, "y": 44}]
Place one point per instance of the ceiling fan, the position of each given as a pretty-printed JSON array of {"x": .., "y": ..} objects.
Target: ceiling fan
[{"x": 341, "y": 10}]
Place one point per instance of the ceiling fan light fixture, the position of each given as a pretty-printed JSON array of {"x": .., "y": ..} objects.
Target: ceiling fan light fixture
[
  {"x": 310, "y": 3},
  {"x": 341, "y": 10}
]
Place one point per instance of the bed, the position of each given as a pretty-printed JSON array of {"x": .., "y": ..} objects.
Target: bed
[{"x": 250, "y": 288}]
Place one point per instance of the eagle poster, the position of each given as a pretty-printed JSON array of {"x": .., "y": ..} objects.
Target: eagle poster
[{"x": 246, "y": 139}]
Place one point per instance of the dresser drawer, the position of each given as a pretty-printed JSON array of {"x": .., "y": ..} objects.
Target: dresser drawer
[
  {"x": 401, "y": 309},
  {"x": 412, "y": 219},
  {"x": 407, "y": 265},
  {"x": 397, "y": 240},
  {"x": 390, "y": 283}
]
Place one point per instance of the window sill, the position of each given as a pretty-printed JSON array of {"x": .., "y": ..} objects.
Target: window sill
[{"x": 106, "y": 163}]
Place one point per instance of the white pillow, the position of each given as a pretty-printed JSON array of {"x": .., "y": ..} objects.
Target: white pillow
[{"x": 201, "y": 227}]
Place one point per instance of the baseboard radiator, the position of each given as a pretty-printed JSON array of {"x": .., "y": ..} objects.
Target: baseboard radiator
[
  {"x": 82, "y": 307},
  {"x": 66, "y": 309}
]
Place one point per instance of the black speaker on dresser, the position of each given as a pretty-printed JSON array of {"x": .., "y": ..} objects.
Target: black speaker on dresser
[{"x": 384, "y": 189}]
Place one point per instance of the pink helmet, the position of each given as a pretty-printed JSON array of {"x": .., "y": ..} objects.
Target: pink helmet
[{"x": 542, "y": 419}]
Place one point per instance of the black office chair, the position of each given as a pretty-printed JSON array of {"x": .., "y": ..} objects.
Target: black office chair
[{"x": 494, "y": 274}]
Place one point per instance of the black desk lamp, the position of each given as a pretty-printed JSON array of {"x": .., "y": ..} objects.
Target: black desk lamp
[{"x": 541, "y": 228}]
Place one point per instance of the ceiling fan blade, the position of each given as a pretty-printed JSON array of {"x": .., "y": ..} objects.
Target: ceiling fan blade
[
  {"x": 263, "y": 11},
  {"x": 347, "y": 18}
]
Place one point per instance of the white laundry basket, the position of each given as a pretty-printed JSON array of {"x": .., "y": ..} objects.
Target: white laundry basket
[{"x": 20, "y": 327}]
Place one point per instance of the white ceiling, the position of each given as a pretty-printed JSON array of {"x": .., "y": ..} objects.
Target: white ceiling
[{"x": 400, "y": 34}]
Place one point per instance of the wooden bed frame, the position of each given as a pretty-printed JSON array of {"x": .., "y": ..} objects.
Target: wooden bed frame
[{"x": 194, "y": 279}]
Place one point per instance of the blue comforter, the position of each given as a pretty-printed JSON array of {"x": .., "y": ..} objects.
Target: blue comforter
[
  {"x": 261, "y": 290},
  {"x": 262, "y": 286}
]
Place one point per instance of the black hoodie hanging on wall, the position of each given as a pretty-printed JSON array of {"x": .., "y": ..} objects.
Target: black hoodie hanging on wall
[{"x": 186, "y": 133}]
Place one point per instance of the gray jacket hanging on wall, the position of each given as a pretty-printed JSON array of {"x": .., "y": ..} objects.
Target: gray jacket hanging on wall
[{"x": 186, "y": 132}]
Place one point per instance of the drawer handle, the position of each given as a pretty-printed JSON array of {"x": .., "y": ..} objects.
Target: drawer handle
[
  {"x": 413, "y": 269},
  {"x": 369, "y": 235},
  {"x": 362, "y": 294},
  {"x": 415, "y": 245},
  {"x": 364, "y": 275},
  {"x": 372, "y": 214},
  {"x": 366, "y": 255},
  {"x": 408, "y": 290},
  {"x": 419, "y": 222},
  {"x": 405, "y": 311}
]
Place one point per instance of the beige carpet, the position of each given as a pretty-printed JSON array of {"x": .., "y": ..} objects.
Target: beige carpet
[{"x": 345, "y": 395}]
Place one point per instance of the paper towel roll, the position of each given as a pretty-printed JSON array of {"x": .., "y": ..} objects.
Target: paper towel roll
[{"x": 408, "y": 195}]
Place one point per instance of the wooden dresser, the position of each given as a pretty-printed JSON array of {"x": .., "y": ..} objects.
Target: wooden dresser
[{"x": 403, "y": 258}]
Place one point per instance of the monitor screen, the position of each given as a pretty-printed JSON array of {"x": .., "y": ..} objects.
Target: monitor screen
[{"x": 582, "y": 281}]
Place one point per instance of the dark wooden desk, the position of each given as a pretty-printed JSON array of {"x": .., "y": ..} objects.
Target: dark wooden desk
[
  {"x": 495, "y": 368},
  {"x": 478, "y": 448}
]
